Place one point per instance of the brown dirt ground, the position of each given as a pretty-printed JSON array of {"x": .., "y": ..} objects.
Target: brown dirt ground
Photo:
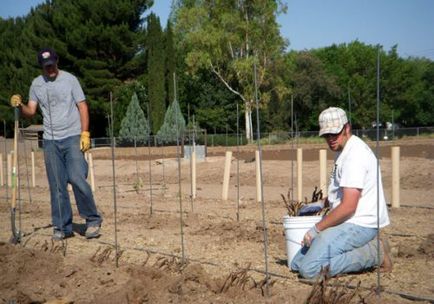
[{"x": 215, "y": 245}]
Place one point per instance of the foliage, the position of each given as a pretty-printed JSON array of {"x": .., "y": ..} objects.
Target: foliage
[
  {"x": 174, "y": 124},
  {"x": 212, "y": 104},
  {"x": 16, "y": 68},
  {"x": 229, "y": 38},
  {"x": 95, "y": 40},
  {"x": 213, "y": 46},
  {"x": 122, "y": 98},
  {"x": 156, "y": 72},
  {"x": 134, "y": 126},
  {"x": 313, "y": 89},
  {"x": 170, "y": 63},
  {"x": 406, "y": 86}
]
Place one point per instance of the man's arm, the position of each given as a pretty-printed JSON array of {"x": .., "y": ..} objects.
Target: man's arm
[
  {"x": 344, "y": 211},
  {"x": 27, "y": 110},
  {"x": 84, "y": 119},
  {"x": 84, "y": 115},
  {"x": 337, "y": 216}
]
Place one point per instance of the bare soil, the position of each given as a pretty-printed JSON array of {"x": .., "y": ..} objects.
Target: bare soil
[{"x": 218, "y": 257}]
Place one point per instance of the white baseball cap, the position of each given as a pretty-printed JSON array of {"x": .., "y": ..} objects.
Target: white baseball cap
[{"x": 331, "y": 121}]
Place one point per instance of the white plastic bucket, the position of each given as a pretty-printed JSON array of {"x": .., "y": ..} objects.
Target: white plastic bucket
[{"x": 295, "y": 229}]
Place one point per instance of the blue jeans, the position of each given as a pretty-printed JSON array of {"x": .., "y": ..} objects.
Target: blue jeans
[
  {"x": 345, "y": 248},
  {"x": 65, "y": 164}
]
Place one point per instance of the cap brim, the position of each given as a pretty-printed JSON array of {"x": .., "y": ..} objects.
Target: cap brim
[
  {"x": 48, "y": 62},
  {"x": 330, "y": 130}
]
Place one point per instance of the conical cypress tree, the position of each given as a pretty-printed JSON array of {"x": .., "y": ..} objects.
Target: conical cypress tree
[
  {"x": 173, "y": 126},
  {"x": 134, "y": 125}
]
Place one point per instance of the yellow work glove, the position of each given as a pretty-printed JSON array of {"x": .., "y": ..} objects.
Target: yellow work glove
[
  {"x": 16, "y": 100},
  {"x": 85, "y": 141}
]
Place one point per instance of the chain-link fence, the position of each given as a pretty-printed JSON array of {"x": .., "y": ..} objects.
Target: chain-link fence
[{"x": 280, "y": 137}]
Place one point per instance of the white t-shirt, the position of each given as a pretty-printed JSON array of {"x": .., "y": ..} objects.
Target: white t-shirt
[{"x": 356, "y": 167}]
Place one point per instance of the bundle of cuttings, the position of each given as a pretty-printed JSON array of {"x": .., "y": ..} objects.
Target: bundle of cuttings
[{"x": 314, "y": 207}]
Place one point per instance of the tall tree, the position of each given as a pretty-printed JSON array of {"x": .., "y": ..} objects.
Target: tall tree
[
  {"x": 313, "y": 89},
  {"x": 228, "y": 38},
  {"x": 17, "y": 66},
  {"x": 95, "y": 40},
  {"x": 170, "y": 62},
  {"x": 156, "y": 72},
  {"x": 213, "y": 105}
]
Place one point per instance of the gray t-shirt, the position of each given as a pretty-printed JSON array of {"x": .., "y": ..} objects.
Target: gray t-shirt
[{"x": 58, "y": 101}]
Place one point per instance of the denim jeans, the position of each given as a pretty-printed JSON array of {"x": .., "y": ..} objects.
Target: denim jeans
[
  {"x": 345, "y": 248},
  {"x": 65, "y": 164}
]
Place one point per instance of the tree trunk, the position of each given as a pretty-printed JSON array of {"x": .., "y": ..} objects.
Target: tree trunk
[{"x": 248, "y": 122}]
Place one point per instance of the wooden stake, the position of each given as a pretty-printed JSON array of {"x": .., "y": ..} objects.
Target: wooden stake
[
  {"x": 193, "y": 173},
  {"x": 1, "y": 170},
  {"x": 92, "y": 176},
  {"x": 33, "y": 170},
  {"x": 9, "y": 168},
  {"x": 323, "y": 171},
  {"x": 300, "y": 174},
  {"x": 395, "y": 177},
  {"x": 258, "y": 177},
  {"x": 227, "y": 175}
]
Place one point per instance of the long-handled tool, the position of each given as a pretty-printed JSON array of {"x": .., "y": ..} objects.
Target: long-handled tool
[{"x": 16, "y": 235}]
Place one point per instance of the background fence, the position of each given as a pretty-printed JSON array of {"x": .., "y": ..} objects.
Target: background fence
[
  {"x": 230, "y": 139},
  {"x": 281, "y": 137}
]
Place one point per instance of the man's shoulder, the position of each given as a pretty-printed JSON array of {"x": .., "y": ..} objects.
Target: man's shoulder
[
  {"x": 66, "y": 75},
  {"x": 359, "y": 149},
  {"x": 356, "y": 141},
  {"x": 38, "y": 81}
]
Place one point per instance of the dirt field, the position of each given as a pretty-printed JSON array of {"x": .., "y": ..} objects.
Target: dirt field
[{"x": 215, "y": 246}]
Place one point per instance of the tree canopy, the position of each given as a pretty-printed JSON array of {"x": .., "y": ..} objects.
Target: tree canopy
[{"x": 213, "y": 46}]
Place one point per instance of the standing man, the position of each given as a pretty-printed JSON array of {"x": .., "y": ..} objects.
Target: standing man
[
  {"x": 345, "y": 239},
  {"x": 66, "y": 138}
]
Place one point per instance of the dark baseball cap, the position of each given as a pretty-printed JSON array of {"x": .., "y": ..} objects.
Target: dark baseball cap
[{"x": 47, "y": 56}]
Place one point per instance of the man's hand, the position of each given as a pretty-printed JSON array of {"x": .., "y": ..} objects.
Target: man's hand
[
  {"x": 85, "y": 141},
  {"x": 16, "y": 100},
  {"x": 309, "y": 236}
]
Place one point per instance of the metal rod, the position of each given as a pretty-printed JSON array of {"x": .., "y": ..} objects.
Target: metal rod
[
  {"x": 18, "y": 185},
  {"x": 162, "y": 163},
  {"x": 149, "y": 163},
  {"x": 349, "y": 104},
  {"x": 64, "y": 241},
  {"x": 292, "y": 148},
  {"x": 264, "y": 223},
  {"x": 191, "y": 165},
  {"x": 27, "y": 175},
  {"x": 6, "y": 154},
  {"x": 377, "y": 151},
  {"x": 114, "y": 179},
  {"x": 137, "y": 166},
  {"x": 226, "y": 137},
  {"x": 238, "y": 164},
  {"x": 179, "y": 172}
]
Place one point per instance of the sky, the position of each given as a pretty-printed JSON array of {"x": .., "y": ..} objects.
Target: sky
[{"x": 409, "y": 24}]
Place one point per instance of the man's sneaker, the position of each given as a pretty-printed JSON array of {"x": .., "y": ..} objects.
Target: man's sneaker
[
  {"x": 92, "y": 232},
  {"x": 60, "y": 235}
]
